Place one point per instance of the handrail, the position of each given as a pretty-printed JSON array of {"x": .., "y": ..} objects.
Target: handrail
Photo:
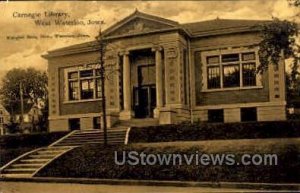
[{"x": 127, "y": 136}]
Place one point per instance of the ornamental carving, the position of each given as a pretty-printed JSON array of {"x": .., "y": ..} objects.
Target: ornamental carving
[
  {"x": 137, "y": 27},
  {"x": 172, "y": 53}
]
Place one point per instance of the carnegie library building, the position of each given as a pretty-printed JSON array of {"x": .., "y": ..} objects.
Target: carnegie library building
[{"x": 166, "y": 71}]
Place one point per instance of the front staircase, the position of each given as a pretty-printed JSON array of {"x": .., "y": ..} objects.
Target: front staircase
[
  {"x": 28, "y": 164},
  {"x": 115, "y": 136}
]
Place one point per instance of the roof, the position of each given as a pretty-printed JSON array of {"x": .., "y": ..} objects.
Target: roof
[
  {"x": 138, "y": 14},
  {"x": 196, "y": 29},
  {"x": 217, "y": 26}
]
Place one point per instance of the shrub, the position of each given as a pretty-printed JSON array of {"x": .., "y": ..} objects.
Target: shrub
[
  {"x": 29, "y": 140},
  {"x": 211, "y": 131}
]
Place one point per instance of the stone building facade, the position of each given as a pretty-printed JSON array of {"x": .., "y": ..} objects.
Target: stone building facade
[{"x": 157, "y": 68}]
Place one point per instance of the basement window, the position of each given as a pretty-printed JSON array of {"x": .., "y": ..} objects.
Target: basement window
[
  {"x": 216, "y": 116},
  {"x": 74, "y": 124},
  {"x": 248, "y": 114},
  {"x": 97, "y": 122}
]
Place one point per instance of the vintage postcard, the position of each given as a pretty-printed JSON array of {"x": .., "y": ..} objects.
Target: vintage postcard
[{"x": 149, "y": 96}]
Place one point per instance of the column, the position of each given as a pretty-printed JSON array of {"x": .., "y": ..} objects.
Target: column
[
  {"x": 158, "y": 80},
  {"x": 127, "y": 112},
  {"x": 126, "y": 82}
]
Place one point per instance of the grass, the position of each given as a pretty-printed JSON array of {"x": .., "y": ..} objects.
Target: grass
[
  {"x": 95, "y": 161},
  {"x": 12, "y": 146}
]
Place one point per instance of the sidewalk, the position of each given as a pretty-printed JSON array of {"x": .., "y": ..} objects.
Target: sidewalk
[{"x": 226, "y": 185}]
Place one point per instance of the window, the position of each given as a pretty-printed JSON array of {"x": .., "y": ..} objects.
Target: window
[
  {"x": 248, "y": 114},
  {"x": 98, "y": 88},
  {"x": 97, "y": 122},
  {"x": 213, "y": 77},
  {"x": 230, "y": 58},
  {"x": 248, "y": 56},
  {"x": 1, "y": 120},
  {"x": 213, "y": 71},
  {"x": 249, "y": 74},
  {"x": 231, "y": 70},
  {"x": 84, "y": 85},
  {"x": 231, "y": 76},
  {"x": 87, "y": 89},
  {"x": 74, "y": 124},
  {"x": 212, "y": 60},
  {"x": 216, "y": 115},
  {"x": 86, "y": 73},
  {"x": 73, "y": 90},
  {"x": 146, "y": 74}
]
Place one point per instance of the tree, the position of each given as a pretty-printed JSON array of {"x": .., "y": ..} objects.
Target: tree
[
  {"x": 30, "y": 82},
  {"x": 278, "y": 39},
  {"x": 34, "y": 86},
  {"x": 295, "y": 3},
  {"x": 102, "y": 47}
]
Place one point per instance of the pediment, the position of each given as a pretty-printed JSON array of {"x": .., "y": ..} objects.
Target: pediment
[{"x": 137, "y": 24}]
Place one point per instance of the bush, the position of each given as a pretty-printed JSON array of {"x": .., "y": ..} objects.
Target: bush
[
  {"x": 211, "y": 131},
  {"x": 29, "y": 140}
]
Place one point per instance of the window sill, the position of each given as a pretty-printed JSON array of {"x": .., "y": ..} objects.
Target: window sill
[
  {"x": 232, "y": 89},
  {"x": 82, "y": 101}
]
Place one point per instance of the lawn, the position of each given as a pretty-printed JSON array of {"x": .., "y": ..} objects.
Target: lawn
[{"x": 95, "y": 161}]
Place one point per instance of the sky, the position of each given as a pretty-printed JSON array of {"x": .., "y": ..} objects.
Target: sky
[{"x": 27, "y": 52}]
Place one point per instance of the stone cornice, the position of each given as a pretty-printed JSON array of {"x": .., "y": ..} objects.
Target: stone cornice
[{"x": 92, "y": 46}]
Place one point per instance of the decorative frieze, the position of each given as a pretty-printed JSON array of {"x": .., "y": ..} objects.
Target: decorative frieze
[{"x": 172, "y": 53}]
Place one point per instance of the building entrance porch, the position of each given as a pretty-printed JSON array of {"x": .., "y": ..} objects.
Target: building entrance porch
[{"x": 142, "y": 83}]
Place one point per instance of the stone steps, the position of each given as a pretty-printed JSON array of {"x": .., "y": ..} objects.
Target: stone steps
[
  {"x": 43, "y": 156},
  {"x": 28, "y": 164},
  {"x": 82, "y": 137},
  {"x": 20, "y": 170},
  {"x": 84, "y": 142},
  {"x": 17, "y": 175},
  {"x": 34, "y": 161}
]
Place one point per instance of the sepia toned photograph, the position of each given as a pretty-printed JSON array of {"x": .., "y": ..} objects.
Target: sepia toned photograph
[{"x": 149, "y": 96}]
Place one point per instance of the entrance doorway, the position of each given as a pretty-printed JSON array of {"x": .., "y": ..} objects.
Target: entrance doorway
[
  {"x": 145, "y": 101},
  {"x": 145, "y": 92}
]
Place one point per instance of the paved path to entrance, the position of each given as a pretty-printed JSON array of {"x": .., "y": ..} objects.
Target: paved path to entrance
[{"x": 33, "y": 187}]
